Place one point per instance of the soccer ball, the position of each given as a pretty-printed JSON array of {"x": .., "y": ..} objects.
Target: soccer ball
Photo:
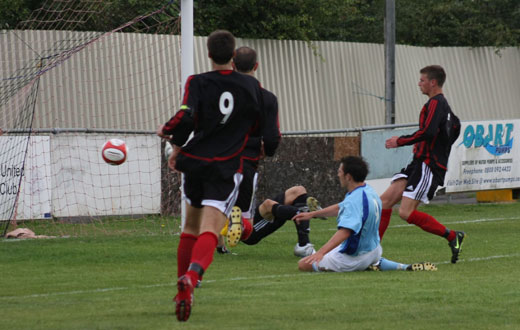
[
  {"x": 168, "y": 149},
  {"x": 114, "y": 152}
]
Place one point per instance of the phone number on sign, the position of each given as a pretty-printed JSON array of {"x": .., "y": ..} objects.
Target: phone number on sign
[{"x": 497, "y": 169}]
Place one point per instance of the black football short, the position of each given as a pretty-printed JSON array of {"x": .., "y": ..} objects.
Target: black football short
[
  {"x": 421, "y": 181},
  {"x": 246, "y": 194},
  {"x": 218, "y": 193}
]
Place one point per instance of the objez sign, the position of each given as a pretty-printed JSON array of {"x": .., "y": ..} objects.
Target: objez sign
[{"x": 485, "y": 156}]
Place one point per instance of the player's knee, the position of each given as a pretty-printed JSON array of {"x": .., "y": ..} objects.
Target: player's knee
[
  {"x": 292, "y": 193},
  {"x": 404, "y": 213},
  {"x": 385, "y": 203},
  {"x": 301, "y": 266},
  {"x": 388, "y": 200},
  {"x": 298, "y": 190},
  {"x": 267, "y": 205},
  {"x": 304, "y": 267}
]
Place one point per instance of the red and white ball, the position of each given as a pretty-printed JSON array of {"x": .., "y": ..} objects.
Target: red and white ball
[{"x": 114, "y": 152}]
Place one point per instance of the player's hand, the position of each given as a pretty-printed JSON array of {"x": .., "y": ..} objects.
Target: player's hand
[
  {"x": 173, "y": 158},
  {"x": 304, "y": 216},
  {"x": 316, "y": 257},
  {"x": 391, "y": 142},
  {"x": 262, "y": 151},
  {"x": 161, "y": 133}
]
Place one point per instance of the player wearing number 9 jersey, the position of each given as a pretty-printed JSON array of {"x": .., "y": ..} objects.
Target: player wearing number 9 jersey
[{"x": 221, "y": 107}]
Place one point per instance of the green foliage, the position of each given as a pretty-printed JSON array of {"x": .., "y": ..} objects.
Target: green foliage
[
  {"x": 12, "y": 11},
  {"x": 352, "y": 20},
  {"x": 458, "y": 23},
  {"x": 421, "y": 23},
  {"x": 127, "y": 280}
]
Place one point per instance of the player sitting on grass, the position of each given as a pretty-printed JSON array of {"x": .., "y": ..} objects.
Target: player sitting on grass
[
  {"x": 272, "y": 214},
  {"x": 355, "y": 245}
]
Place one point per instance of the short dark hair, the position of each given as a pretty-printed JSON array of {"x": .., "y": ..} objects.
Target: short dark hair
[
  {"x": 435, "y": 72},
  {"x": 221, "y": 45},
  {"x": 245, "y": 59},
  {"x": 356, "y": 167}
]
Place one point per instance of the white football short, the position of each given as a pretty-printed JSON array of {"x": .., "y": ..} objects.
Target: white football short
[{"x": 335, "y": 261}]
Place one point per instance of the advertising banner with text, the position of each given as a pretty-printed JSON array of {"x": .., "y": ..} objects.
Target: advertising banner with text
[
  {"x": 486, "y": 156},
  {"x": 25, "y": 177}
]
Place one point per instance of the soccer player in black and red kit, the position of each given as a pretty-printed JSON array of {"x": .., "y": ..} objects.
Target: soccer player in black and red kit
[
  {"x": 263, "y": 141},
  {"x": 419, "y": 180},
  {"x": 221, "y": 108},
  {"x": 255, "y": 227}
]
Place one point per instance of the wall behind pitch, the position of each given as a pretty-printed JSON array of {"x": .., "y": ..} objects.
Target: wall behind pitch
[
  {"x": 132, "y": 81},
  {"x": 308, "y": 161}
]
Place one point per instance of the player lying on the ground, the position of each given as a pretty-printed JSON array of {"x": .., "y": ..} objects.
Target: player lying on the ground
[
  {"x": 262, "y": 142},
  {"x": 272, "y": 214},
  {"x": 355, "y": 245}
]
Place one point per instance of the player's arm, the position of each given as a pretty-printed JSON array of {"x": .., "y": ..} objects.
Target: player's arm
[
  {"x": 341, "y": 235},
  {"x": 179, "y": 127},
  {"x": 271, "y": 128},
  {"x": 329, "y": 211},
  {"x": 182, "y": 124},
  {"x": 173, "y": 157},
  {"x": 428, "y": 130}
]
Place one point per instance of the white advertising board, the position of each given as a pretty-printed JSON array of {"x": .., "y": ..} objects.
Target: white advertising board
[
  {"x": 486, "y": 156},
  {"x": 34, "y": 198}
]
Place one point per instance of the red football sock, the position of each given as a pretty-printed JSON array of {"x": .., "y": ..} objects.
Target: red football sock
[
  {"x": 451, "y": 235},
  {"x": 247, "y": 230},
  {"x": 385, "y": 221},
  {"x": 202, "y": 253},
  {"x": 427, "y": 223},
  {"x": 184, "y": 249}
]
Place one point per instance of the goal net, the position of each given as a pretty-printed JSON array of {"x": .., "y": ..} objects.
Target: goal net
[{"x": 65, "y": 90}]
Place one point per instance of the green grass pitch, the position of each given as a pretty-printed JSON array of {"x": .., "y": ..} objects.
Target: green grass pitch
[{"x": 117, "y": 279}]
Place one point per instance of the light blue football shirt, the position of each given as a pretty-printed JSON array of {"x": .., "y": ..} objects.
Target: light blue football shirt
[{"x": 359, "y": 204}]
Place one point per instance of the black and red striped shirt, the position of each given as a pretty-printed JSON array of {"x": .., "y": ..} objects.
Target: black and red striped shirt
[
  {"x": 221, "y": 108},
  {"x": 431, "y": 141},
  {"x": 267, "y": 132}
]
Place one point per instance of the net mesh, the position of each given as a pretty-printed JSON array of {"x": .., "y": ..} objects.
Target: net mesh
[{"x": 64, "y": 92}]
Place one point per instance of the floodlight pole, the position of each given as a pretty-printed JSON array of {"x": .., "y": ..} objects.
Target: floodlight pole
[
  {"x": 390, "y": 62},
  {"x": 187, "y": 67}
]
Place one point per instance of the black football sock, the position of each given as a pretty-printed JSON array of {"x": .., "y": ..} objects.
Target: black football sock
[
  {"x": 283, "y": 212},
  {"x": 286, "y": 212},
  {"x": 303, "y": 229}
]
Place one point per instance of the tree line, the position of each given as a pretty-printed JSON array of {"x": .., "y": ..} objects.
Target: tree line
[{"x": 427, "y": 23}]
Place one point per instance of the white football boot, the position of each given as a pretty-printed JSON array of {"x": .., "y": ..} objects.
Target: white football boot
[{"x": 304, "y": 251}]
